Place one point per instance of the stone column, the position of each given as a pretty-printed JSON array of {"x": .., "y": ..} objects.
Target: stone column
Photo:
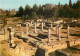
[
  {"x": 49, "y": 35},
  {"x": 59, "y": 34},
  {"x": 68, "y": 32},
  {"x": 31, "y": 22},
  {"x": 42, "y": 27},
  {"x": 27, "y": 28},
  {"x": 9, "y": 29},
  {"x": 35, "y": 28},
  {"x": 22, "y": 34},
  {"x": 11, "y": 37},
  {"x": 12, "y": 33},
  {"x": 57, "y": 30},
  {"x": 51, "y": 25},
  {"x": 0, "y": 29}
]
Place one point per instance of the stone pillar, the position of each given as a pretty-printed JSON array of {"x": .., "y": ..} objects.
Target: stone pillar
[
  {"x": 22, "y": 34},
  {"x": 68, "y": 32},
  {"x": 9, "y": 29},
  {"x": 51, "y": 25},
  {"x": 0, "y": 29},
  {"x": 42, "y": 27},
  {"x": 35, "y": 28},
  {"x": 27, "y": 29},
  {"x": 59, "y": 34},
  {"x": 57, "y": 30},
  {"x": 11, "y": 37},
  {"x": 49, "y": 35},
  {"x": 12, "y": 33}
]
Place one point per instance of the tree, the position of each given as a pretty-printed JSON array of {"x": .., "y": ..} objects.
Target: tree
[
  {"x": 59, "y": 4},
  {"x": 40, "y": 10},
  {"x": 33, "y": 14},
  {"x": 27, "y": 10},
  {"x": 53, "y": 13},
  {"x": 7, "y": 13},
  {"x": 35, "y": 8},
  {"x": 78, "y": 11},
  {"x": 70, "y": 3},
  {"x": 4, "y": 23},
  {"x": 76, "y": 8},
  {"x": 5, "y": 16},
  {"x": 61, "y": 11},
  {"x": 67, "y": 11},
  {"x": 21, "y": 11}
]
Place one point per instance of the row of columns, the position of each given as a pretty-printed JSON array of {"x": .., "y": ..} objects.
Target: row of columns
[
  {"x": 41, "y": 27},
  {"x": 27, "y": 30},
  {"x": 58, "y": 33}
]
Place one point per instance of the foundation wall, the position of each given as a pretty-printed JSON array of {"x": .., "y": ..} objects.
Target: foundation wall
[
  {"x": 72, "y": 43},
  {"x": 62, "y": 46}
]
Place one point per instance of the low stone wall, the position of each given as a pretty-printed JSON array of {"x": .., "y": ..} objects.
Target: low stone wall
[
  {"x": 59, "y": 46},
  {"x": 73, "y": 42},
  {"x": 63, "y": 45}
]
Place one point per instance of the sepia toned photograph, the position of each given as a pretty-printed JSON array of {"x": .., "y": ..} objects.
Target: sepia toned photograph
[{"x": 39, "y": 27}]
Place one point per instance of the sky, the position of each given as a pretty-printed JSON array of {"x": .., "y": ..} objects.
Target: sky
[{"x": 15, "y": 4}]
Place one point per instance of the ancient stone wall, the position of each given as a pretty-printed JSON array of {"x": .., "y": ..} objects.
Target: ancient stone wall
[
  {"x": 72, "y": 43},
  {"x": 60, "y": 46}
]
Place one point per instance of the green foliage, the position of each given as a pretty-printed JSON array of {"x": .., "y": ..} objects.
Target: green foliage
[
  {"x": 67, "y": 11},
  {"x": 20, "y": 12},
  {"x": 27, "y": 10},
  {"x": 7, "y": 13},
  {"x": 25, "y": 17},
  {"x": 40, "y": 10},
  {"x": 33, "y": 14},
  {"x": 4, "y": 20},
  {"x": 70, "y": 3},
  {"x": 35, "y": 8}
]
